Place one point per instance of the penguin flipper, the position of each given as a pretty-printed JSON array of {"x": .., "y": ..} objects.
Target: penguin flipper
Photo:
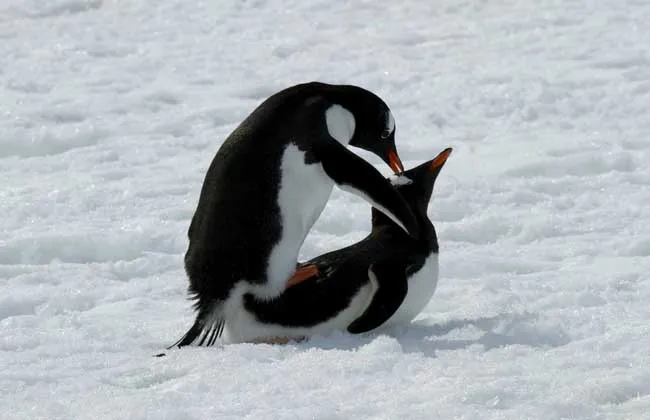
[
  {"x": 392, "y": 286},
  {"x": 355, "y": 175}
]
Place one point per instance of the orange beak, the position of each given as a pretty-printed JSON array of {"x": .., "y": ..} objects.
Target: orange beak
[
  {"x": 394, "y": 162},
  {"x": 302, "y": 274},
  {"x": 440, "y": 159}
]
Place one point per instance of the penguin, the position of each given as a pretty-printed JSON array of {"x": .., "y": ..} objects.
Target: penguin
[
  {"x": 385, "y": 280},
  {"x": 268, "y": 183}
]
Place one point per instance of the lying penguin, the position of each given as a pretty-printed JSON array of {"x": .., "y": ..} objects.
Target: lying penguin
[
  {"x": 382, "y": 281},
  {"x": 267, "y": 185}
]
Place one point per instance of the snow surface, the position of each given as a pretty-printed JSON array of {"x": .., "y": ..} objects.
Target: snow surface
[{"x": 111, "y": 111}]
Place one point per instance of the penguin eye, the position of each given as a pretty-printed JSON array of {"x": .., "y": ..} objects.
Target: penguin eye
[{"x": 385, "y": 134}]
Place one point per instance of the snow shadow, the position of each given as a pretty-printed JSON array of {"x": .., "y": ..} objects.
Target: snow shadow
[{"x": 525, "y": 329}]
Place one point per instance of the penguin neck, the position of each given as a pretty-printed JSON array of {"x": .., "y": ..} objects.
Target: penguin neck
[{"x": 428, "y": 238}]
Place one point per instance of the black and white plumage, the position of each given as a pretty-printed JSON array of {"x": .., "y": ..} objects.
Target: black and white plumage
[
  {"x": 267, "y": 185},
  {"x": 384, "y": 280}
]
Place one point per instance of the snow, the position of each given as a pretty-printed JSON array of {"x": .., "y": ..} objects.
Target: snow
[{"x": 111, "y": 111}]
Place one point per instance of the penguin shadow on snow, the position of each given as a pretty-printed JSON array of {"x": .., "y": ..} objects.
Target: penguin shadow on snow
[{"x": 492, "y": 332}]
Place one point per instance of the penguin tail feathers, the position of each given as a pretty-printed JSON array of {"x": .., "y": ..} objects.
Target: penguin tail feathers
[
  {"x": 207, "y": 327},
  {"x": 201, "y": 334}
]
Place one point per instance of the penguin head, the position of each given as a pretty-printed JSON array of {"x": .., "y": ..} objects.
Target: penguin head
[
  {"x": 416, "y": 184},
  {"x": 376, "y": 134},
  {"x": 374, "y": 124},
  {"x": 378, "y": 137}
]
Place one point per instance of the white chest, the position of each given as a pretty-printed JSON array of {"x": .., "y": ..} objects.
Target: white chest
[
  {"x": 303, "y": 193},
  {"x": 421, "y": 287}
]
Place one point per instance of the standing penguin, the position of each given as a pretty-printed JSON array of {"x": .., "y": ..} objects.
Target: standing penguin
[
  {"x": 267, "y": 185},
  {"x": 384, "y": 280}
]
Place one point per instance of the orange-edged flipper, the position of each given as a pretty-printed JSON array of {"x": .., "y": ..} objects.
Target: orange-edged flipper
[{"x": 303, "y": 273}]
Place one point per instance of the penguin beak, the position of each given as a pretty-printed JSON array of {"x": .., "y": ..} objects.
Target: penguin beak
[
  {"x": 394, "y": 162},
  {"x": 303, "y": 273},
  {"x": 436, "y": 164}
]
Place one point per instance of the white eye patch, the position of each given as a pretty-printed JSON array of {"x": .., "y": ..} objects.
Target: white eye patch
[{"x": 340, "y": 124}]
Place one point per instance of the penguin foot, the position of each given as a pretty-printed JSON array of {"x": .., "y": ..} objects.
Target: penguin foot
[
  {"x": 302, "y": 274},
  {"x": 278, "y": 340}
]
